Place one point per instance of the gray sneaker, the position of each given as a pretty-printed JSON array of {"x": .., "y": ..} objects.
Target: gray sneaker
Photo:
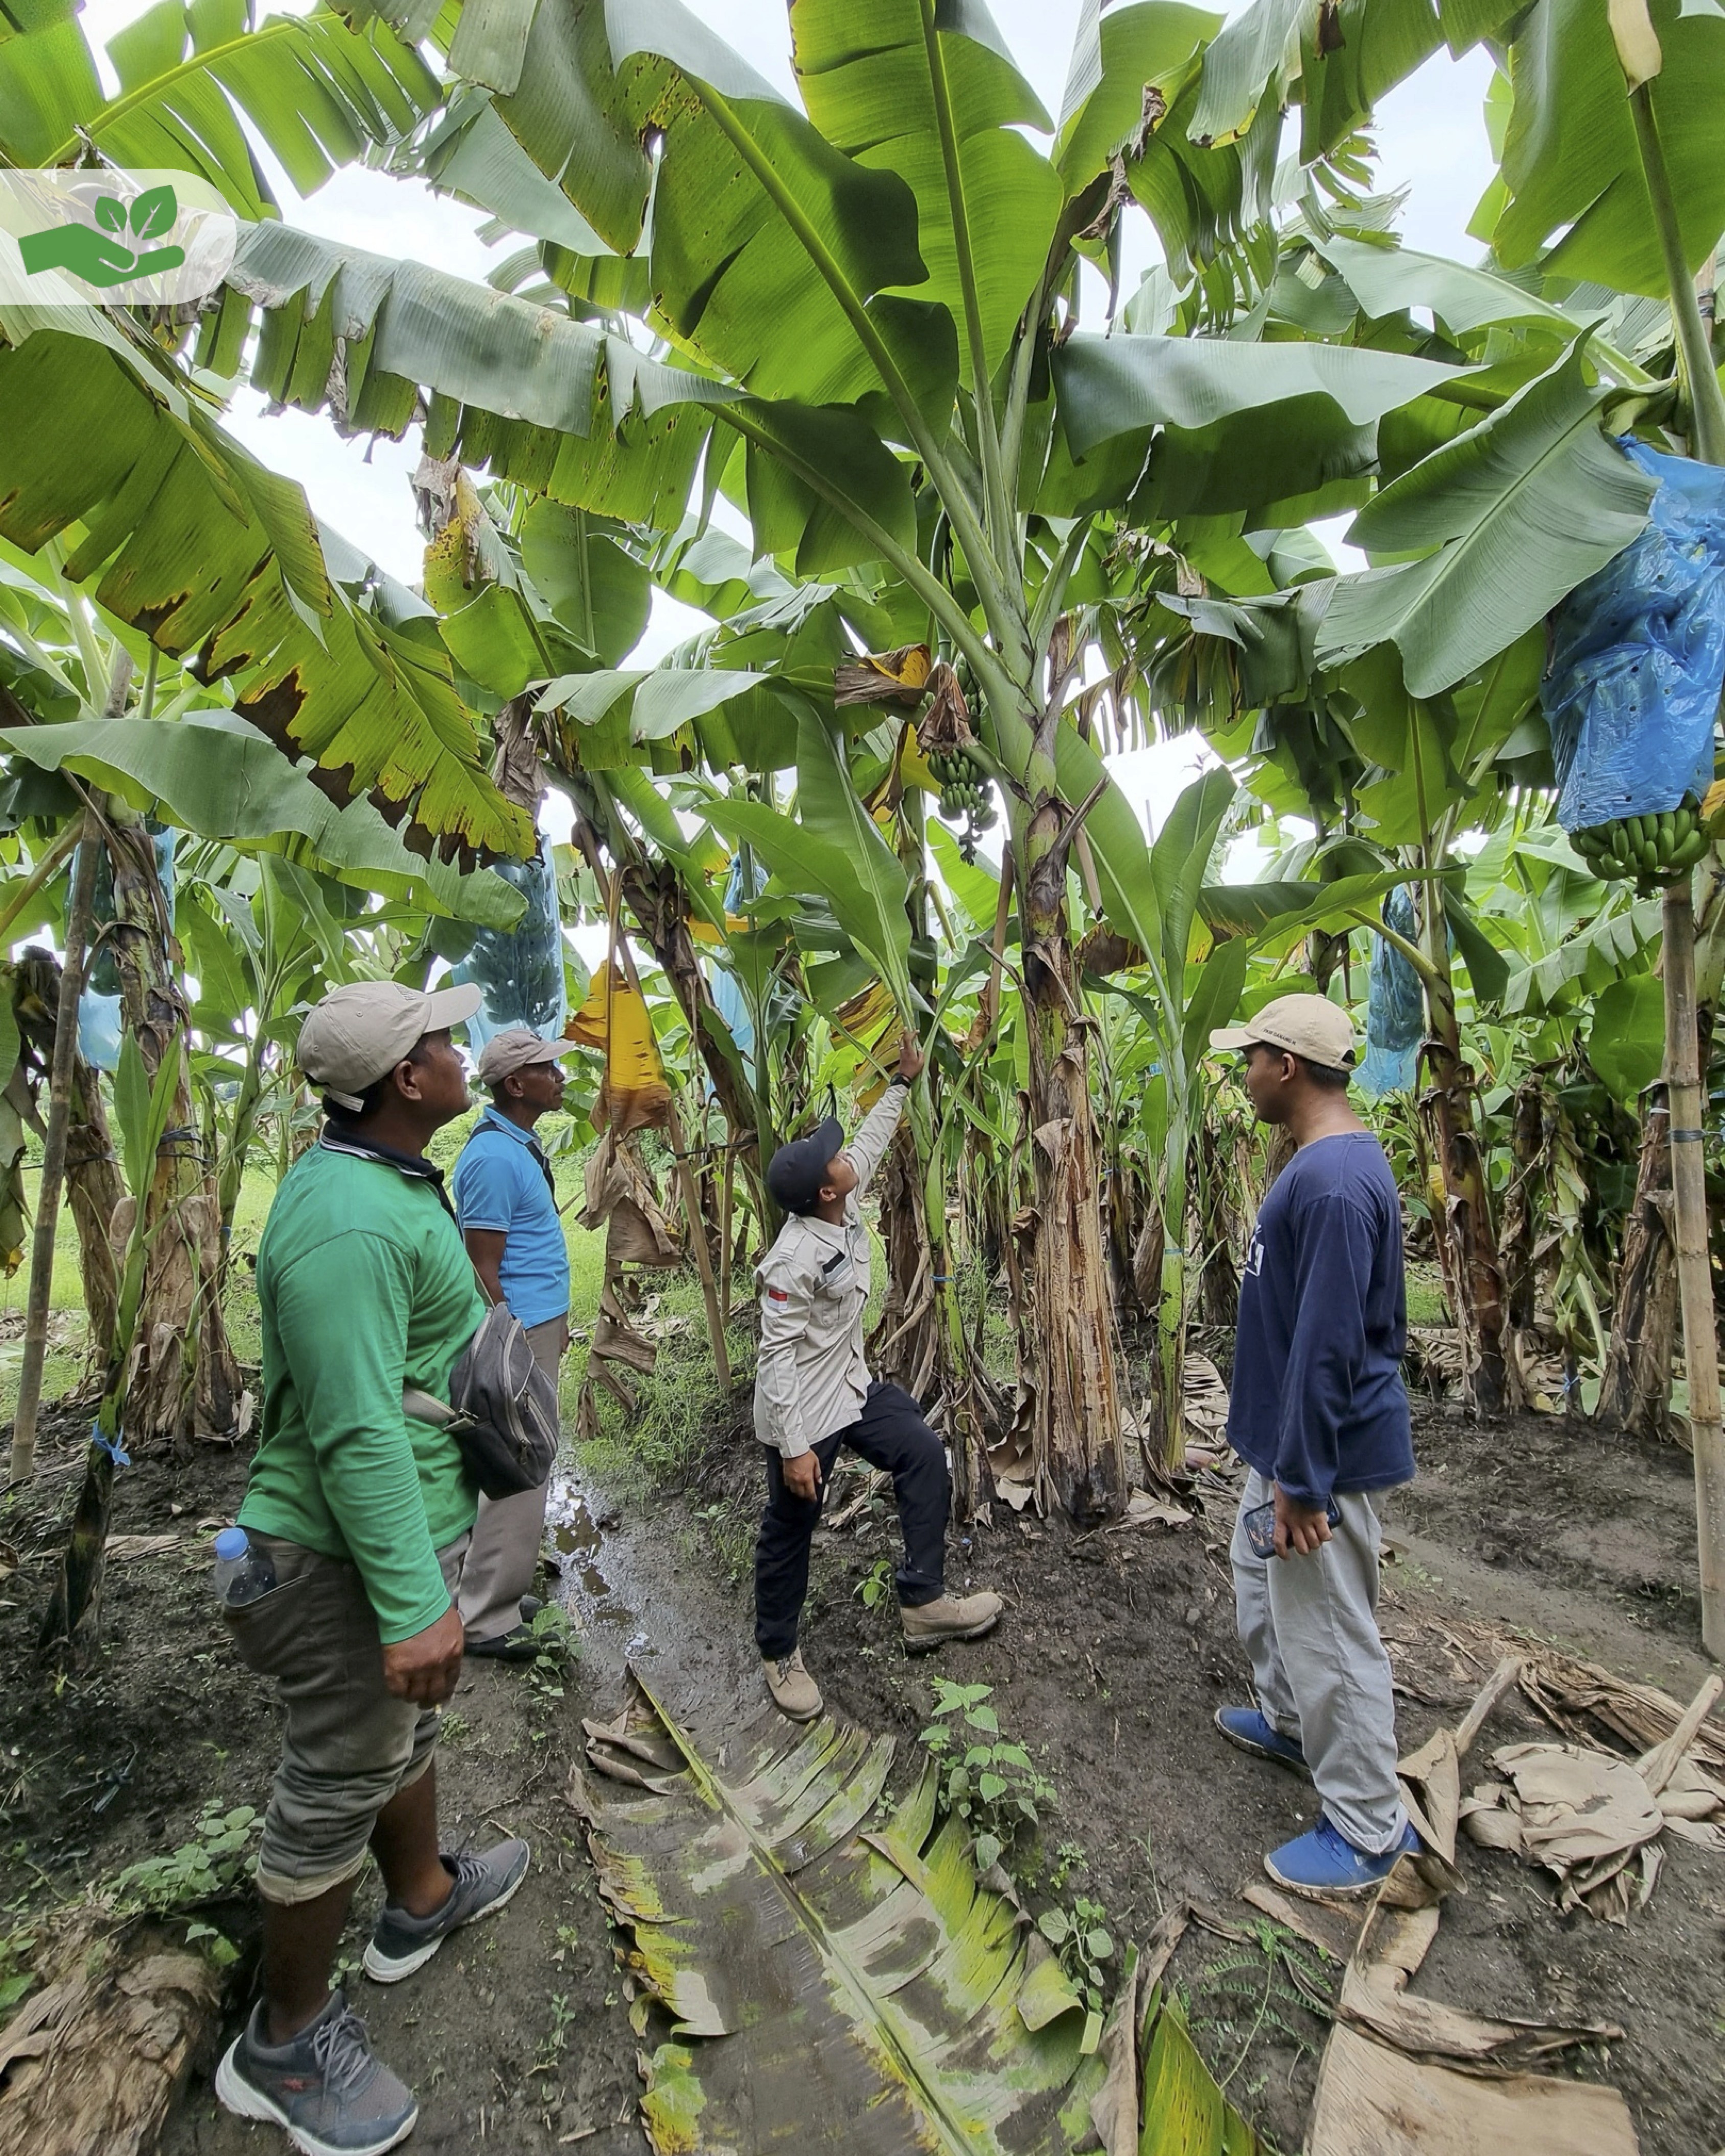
[
  {"x": 326, "y": 2087},
  {"x": 401, "y": 1943}
]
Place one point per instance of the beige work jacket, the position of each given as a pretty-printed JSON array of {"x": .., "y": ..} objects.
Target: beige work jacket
[{"x": 811, "y": 1379}]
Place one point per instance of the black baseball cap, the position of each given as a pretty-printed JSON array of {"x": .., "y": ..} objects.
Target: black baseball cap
[{"x": 796, "y": 1172}]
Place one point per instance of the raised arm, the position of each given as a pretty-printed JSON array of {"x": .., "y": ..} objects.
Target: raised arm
[{"x": 868, "y": 1148}]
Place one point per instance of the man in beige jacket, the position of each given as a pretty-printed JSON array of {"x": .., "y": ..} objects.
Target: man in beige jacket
[{"x": 813, "y": 1394}]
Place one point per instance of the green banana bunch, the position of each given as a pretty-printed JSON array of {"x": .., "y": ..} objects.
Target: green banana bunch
[
  {"x": 963, "y": 794},
  {"x": 1652, "y": 850}
]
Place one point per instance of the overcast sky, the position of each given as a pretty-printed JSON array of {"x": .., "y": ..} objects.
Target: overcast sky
[{"x": 1431, "y": 136}]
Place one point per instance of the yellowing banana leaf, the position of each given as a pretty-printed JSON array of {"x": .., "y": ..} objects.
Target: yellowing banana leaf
[
  {"x": 615, "y": 1019},
  {"x": 831, "y": 1988},
  {"x": 1185, "y": 2111},
  {"x": 895, "y": 677},
  {"x": 869, "y": 1021}
]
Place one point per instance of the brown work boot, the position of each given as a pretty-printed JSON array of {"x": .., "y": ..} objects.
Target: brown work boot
[
  {"x": 794, "y": 1692},
  {"x": 953, "y": 1617}
]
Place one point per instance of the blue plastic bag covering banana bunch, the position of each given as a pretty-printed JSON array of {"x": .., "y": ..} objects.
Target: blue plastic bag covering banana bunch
[
  {"x": 521, "y": 969},
  {"x": 1633, "y": 683},
  {"x": 99, "y": 1027},
  {"x": 1395, "y": 1009}
]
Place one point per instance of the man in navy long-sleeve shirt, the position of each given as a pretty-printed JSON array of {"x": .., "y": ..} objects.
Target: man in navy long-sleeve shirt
[{"x": 1318, "y": 1413}]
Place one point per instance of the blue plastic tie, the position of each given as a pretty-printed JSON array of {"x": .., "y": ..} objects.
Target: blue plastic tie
[{"x": 115, "y": 1447}]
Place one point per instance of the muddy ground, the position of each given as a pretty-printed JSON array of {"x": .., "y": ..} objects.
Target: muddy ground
[{"x": 1115, "y": 1650}]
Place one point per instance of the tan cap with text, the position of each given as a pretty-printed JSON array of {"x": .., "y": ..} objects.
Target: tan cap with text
[
  {"x": 515, "y": 1050},
  {"x": 1308, "y": 1026},
  {"x": 358, "y": 1032}
]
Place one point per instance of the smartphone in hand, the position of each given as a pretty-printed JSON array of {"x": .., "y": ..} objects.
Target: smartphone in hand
[{"x": 1259, "y": 1524}]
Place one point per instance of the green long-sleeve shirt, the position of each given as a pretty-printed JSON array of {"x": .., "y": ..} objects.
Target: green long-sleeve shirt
[{"x": 364, "y": 1286}]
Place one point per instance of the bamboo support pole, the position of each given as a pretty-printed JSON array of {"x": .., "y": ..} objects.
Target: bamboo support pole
[
  {"x": 23, "y": 1463},
  {"x": 728, "y": 1186},
  {"x": 1694, "y": 1282}
]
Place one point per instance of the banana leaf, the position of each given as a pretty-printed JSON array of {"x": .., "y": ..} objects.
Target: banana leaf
[
  {"x": 318, "y": 93},
  {"x": 215, "y": 775},
  {"x": 1518, "y": 511},
  {"x": 192, "y": 541},
  {"x": 886, "y": 89},
  {"x": 831, "y": 1987}
]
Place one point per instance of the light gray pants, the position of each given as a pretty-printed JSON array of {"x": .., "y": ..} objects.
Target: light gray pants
[
  {"x": 1310, "y": 1625},
  {"x": 505, "y": 1549}
]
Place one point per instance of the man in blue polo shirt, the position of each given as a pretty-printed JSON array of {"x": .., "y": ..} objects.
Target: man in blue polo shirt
[
  {"x": 1318, "y": 1413},
  {"x": 507, "y": 1204}
]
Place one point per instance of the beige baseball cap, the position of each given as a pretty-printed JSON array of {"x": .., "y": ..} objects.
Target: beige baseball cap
[
  {"x": 1311, "y": 1026},
  {"x": 515, "y": 1050},
  {"x": 358, "y": 1032}
]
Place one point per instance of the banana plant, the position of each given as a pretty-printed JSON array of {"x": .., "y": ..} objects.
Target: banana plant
[
  {"x": 258, "y": 953},
  {"x": 855, "y": 317},
  {"x": 143, "y": 1108},
  {"x": 885, "y": 376}
]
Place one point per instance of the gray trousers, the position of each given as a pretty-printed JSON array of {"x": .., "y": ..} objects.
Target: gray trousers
[
  {"x": 350, "y": 1744},
  {"x": 506, "y": 1535},
  {"x": 1310, "y": 1625}
]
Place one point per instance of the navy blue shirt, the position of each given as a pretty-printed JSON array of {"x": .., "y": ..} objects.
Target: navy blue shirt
[
  {"x": 501, "y": 1182},
  {"x": 1317, "y": 1402}
]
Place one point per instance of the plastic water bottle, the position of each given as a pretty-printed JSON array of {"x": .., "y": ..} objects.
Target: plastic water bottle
[{"x": 243, "y": 1573}]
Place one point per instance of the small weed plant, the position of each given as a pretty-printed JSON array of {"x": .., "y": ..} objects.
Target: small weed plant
[
  {"x": 216, "y": 1860},
  {"x": 18, "y": 1951},
  {"x": 552, "y": 2044},
  {"x": 876, "y": 1585},
  {"x": 1081, "y": 1938},
  {"x": 991, "y": 1782},
  {"x": 730, "y": 1528},
  {"x": 1264, "y": 1987},
  {"x": 1071, "y": 1856},
  {"x": 555, "y": 1647}
]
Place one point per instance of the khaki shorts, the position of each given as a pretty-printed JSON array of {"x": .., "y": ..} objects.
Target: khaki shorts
[{"x": 350, "y": 1745}]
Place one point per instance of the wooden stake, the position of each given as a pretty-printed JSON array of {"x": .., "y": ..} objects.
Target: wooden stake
[
  {"x": 23, "y": 1463},
  {"x": 1695, "y": 1282}
]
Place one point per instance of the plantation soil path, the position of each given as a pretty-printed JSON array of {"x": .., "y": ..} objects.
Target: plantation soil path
[{"x": 1115, "y": 1651}]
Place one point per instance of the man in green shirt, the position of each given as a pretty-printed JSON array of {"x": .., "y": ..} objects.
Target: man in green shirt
[{"x": 359, "y": 1519}]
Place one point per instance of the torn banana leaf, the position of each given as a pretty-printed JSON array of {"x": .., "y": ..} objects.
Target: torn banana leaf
[{"x": 831, "y": 1987}]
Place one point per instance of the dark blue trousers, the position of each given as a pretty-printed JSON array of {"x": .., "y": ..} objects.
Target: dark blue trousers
[{"x": 890, "y": 1435}]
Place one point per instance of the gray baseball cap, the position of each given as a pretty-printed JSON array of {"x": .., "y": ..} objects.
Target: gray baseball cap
[
  {"x": 358, "y": 1032},
  {"x": 515, "y": 1049},
  {"x": 1311, "y": 1027}
]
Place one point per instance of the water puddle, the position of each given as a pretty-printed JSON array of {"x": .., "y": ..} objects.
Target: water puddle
[{"x": 579, "y": 1541}]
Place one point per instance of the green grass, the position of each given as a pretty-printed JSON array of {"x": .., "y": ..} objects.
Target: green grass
[{"x": 1426, "y": 1296}]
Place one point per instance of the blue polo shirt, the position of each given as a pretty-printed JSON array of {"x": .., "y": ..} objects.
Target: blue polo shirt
[
  {"x": 501, "y": 1184},
  {"x": 1316, "y": 1401}
]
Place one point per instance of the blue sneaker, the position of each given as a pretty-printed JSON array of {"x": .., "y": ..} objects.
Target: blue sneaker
[
  {"x": 1324, "y": 1862},
  {"x": 1247, "y": 1728}
]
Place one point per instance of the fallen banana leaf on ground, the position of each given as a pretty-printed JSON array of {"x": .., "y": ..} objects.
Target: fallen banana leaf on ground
[
  {"x": 1581, "y": 1698},
  {"x": 1383, "y": 2089},
  {"x": 1375, "y": 1999},
  {"x": 1373, "y": 2102},
  {"x": 1595, "y": 1820},
  {"x": 832, "y": 1986}
]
